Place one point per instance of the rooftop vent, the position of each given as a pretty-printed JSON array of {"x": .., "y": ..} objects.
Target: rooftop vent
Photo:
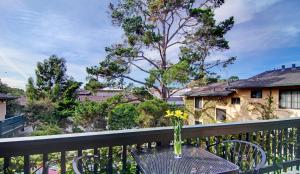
[
  {"x": 283, "y": 67},
  {"x": 293, "y": 66}
]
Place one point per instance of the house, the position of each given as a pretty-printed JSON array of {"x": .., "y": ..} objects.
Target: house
[
  {"x": 3, "y": 99},
  {"x": 103, "y": 94},
  {"x": 241, "y": 100}
]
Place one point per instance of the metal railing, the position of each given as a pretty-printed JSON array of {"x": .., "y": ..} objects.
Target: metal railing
[
  {"x": 11, "y": 125},
  {"x": 279, "y": 138}
]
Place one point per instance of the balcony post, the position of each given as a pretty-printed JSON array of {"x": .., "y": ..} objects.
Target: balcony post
[{"x": 298, "y": 143}]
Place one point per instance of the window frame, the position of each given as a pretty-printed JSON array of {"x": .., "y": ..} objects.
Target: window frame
[
  {"x": 256, "y": 90},
  {"x": 289, "y": 100},
  {"x": 221, "y": 109},
  {"x": 235, "y": 100},
  {"x": 200, "y": 102}
]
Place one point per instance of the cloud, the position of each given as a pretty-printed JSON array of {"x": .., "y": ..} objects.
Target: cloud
[
  {"x": 14, "y": 82},
  {"x": 261, "y": 25},
  {"x": 242, "y": 10}
]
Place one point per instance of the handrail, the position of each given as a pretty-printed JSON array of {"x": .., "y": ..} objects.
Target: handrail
[
  {"x": 11, "y": 124},
  {"x": 68, "y": 142}
]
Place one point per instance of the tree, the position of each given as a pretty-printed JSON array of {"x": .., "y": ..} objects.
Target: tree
[
  {"x": 55, "y": 86},
  {"x": 4, "y": 88},
  {"x": 31, "y": 91},
  {"x": 233, "y": 78},
  {"x": 160, "y": 28},
  {"x": 66, "y": 105},
  {"x": 266, "y": 109},
  {"x": 123, "y": 116},
  {"x": 141, "y": 93},
  {"x": 152, "y": 112},
  {"x": 93, "y": 85},
  {"x": 51, "y": 78}
]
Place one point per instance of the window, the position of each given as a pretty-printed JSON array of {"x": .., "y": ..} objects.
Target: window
[
  {"x": 256, "y": 93},
  {"x": 198, "y": 102},
  {"x": 197, "y": 122},
  {"x": 235, "y": 100},
  {"x": 220, "y": 115},
  {"x": 289, "y": 99}
]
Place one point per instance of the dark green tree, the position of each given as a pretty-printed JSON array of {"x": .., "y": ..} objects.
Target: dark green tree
[
  {"x": 51, "y": 77},
  {"x": 233, "y": 78},
  {"x": 31, "y": 91},
  {"x": 66, "y": 105},
  {"x": 160, "y": 28},
  {"x": 123, "y": 116},
  {"x": 93, "y": 85}
]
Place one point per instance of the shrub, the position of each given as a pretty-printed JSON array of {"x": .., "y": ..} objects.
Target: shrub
[
  {"x": 151, "y": 113},
  {"x": 123, "y": 116},
  {"x": 90, "y": 113},
  {"x": 40, "y": 111},
  {"x": 45, "y": 129}
]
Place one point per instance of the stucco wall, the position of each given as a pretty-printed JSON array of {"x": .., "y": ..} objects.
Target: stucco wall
[
  {"x": 241, "y": 112},
  {"x": 2, "y": 110},
  {"x": 189, "y": 104}
]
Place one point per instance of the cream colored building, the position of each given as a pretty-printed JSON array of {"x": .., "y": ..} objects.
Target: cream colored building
[
  {"x": 244, "y": 99},
  {"x": 3, "y": 99}
]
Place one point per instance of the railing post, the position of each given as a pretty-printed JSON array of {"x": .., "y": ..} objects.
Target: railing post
[
  {"x": 6, "y": 164},
  {"x": 26, "y": 164},
  {"x": 298, "y": 143}
]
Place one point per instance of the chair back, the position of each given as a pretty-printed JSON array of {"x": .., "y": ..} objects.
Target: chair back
[
  {"x": 248, "y": 156},
  {"x": 87, "y": 164}
]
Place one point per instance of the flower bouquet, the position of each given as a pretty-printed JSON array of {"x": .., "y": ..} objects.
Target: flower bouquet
[{"x": 177, "y": 118}]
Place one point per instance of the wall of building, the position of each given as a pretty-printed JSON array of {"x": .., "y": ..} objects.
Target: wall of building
[
  {"x": 2, "y": 110},
  {"x": 238, "y": 112}
]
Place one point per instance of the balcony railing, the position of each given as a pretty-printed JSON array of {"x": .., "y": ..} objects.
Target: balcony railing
[
  {"x": 9, "y": 126},
  {"x": 279, "y": 138}
]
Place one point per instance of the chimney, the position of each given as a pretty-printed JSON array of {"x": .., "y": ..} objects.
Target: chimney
[
  {"x": 293, "y": 66},
  {"x": 283, "y": 67}
]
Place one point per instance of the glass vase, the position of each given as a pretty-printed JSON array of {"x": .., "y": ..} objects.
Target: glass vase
[{"x": 177, "y": 139}]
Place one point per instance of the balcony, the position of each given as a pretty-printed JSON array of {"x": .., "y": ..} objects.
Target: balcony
[
  {"x": 279, "y": 138},
  {"x": 10, "y": 126}
]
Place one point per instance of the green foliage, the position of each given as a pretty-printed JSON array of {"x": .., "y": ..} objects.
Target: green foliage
[
  {"x": 51, "y": 77},
  {"x": 53, "y": 97},
  {"x": 65, "y": 107},
  {"x": 40, "y": 111},
  {"x": 233, "y": 78},
  {"x": 266, "y": 110},
  {"x": 47, "y": 129},
  {"x": 90, "y": 113},
  {"x": 31, "y": 91},
  {"x": 93, "y": 85},
  {"x": 4, "y": 88},
  {"x": 51, "y": 80},
  {"x": 155, "y": 27},
  {"x": 123, "y": 116},
  {"x": 141, "y": 93},
  {"x": 151, "y": 113}
]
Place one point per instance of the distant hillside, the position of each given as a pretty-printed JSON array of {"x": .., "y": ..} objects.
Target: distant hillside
[{"x": 4, "y": 88}]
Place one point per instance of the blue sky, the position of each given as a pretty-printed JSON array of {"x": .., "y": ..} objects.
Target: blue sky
[{"x": 266, "y": 35}]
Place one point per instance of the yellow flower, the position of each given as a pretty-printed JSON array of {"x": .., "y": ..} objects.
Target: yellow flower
[
  {"x": 185, "y": 116},
  {"x": 169, "y": 113},
  {"x": 178, "y": 113}
]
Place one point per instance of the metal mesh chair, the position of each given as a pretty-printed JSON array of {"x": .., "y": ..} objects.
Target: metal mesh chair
[
  {"x": 88, "y": 164},
  {"x": 248, "y": 156}
]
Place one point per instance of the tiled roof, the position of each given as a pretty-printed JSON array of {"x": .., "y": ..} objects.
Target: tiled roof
[
  {"x": 7, "y": 97},
  {"x": 273, "y": 78},
  {"x": 212, "y": 90}
]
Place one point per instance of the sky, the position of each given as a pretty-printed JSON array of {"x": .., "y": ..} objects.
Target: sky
[{"x": 266, "y": 35}]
